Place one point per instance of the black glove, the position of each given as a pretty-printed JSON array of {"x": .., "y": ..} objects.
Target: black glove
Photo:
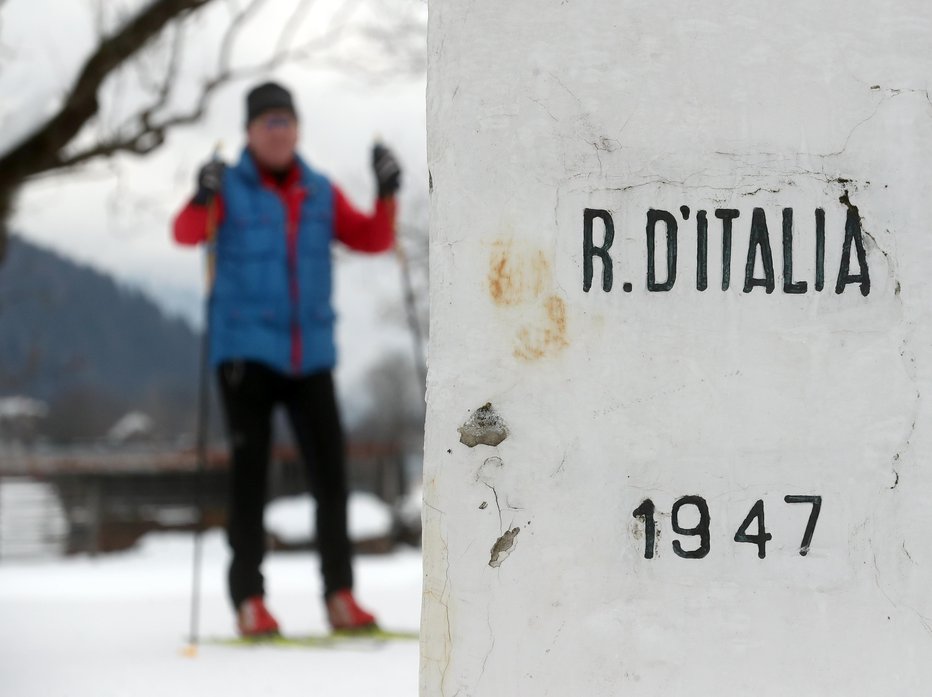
[
  {"x": 387, "y": 171},
  {"x": 209, "y": 181}
]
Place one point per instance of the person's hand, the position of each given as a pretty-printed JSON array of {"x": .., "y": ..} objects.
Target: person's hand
[
  {"x": 209, "y": 181},
  {"x": 387, "y": 170}
]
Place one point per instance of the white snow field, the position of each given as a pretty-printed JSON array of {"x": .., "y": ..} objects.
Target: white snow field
[
  {"x": 116, "y": 626},
  {"x": 291, "y": 519}
]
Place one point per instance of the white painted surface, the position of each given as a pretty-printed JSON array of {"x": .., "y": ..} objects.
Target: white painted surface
[{"x": 539, "y": 110}]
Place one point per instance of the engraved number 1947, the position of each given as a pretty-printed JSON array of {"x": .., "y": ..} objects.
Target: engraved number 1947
[{"x": 755, "y": 517}]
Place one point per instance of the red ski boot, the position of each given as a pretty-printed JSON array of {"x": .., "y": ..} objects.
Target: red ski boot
[
  {"x": 253, "y": 619},
  {"x": 346, "y": 615}
]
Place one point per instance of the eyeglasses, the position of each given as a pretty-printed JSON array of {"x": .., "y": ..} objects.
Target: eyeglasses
[{"x": 275, "y": 121}]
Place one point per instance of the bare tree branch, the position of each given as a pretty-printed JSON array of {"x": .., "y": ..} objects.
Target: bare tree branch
[
  {"x": 148, "y": 133},
  {"x": 229, "y": 41},
  {"x": 41, "y": 151},
  {"x": 54, "y": 145},
  {"x": 145, "y": 134},
  {"x": 292, "y": 26}
]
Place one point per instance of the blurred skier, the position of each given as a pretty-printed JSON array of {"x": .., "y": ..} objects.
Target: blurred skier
[{"x": 271, "y": 334}]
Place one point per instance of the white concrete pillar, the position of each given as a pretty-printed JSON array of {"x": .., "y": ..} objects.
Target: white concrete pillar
[{"x": 680, "y": 260}]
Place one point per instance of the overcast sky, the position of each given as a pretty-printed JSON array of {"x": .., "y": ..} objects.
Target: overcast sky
[{"x": 116, "y": 216}]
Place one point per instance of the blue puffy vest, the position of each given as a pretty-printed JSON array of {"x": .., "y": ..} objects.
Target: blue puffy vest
[{"x": 253, "y": 314}]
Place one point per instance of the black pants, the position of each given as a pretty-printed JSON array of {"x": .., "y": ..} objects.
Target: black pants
[{"x": 250, "y": 391}]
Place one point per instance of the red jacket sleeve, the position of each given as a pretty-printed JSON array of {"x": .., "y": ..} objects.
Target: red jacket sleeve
[
  {"x": 191, "y": 223},
  {"x": 361, "y": 232}
]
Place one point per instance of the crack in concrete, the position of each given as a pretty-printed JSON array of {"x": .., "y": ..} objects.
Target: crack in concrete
[
  {"x": 444, "y": 601},
  {"x": 854, "y": 128},
  {"x": 892, "y": 266},
  {"x": 497, "y": 505},
  {"x": 542, "y": 106},
  {"x": 563, "y": 85},
  {"x": 560, "y": 468},
  {"x": 485, "y": 660},
  {"x": 759, "y": 189},
  {"x": 845, "y": 200}
]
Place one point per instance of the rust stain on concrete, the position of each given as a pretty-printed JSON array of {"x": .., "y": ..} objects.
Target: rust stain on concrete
[
  {"x": 520, "y": 280},
  {"x": 516, "y": 276},
  {"x": 547, "y": 336}
]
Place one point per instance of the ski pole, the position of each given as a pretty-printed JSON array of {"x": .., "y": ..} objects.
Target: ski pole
[
  {"x": 410, "y": 304},
  {"x": 411, "y": 311},
  {"x": 203, "y": 428},
  {"x": 410, "y": 307},
  {"x": 419, "y": 362}
]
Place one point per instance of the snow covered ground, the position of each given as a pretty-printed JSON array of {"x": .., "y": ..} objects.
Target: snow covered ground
[
  {"x": 291, "y": 519},
  {"x": 116, "y": 626}
]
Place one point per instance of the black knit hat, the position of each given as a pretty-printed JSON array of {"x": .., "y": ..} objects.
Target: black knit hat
[{"x": 266, "y": 97}]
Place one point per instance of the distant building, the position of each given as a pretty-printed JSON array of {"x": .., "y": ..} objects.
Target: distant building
[
  {"x": 134, "y": 427},
  {"x": 20, "y": 418}
]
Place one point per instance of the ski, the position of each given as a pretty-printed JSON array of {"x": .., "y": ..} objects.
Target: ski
[{"x": 367, "y": 637}]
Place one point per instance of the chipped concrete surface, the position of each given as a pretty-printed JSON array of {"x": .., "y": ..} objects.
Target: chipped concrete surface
[
  {"x": 503, "y": 547},
  {"x": 484, "y": 427}
]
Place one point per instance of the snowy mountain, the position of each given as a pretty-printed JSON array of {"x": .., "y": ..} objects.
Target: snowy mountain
[{"x": 74, "y": 337}]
